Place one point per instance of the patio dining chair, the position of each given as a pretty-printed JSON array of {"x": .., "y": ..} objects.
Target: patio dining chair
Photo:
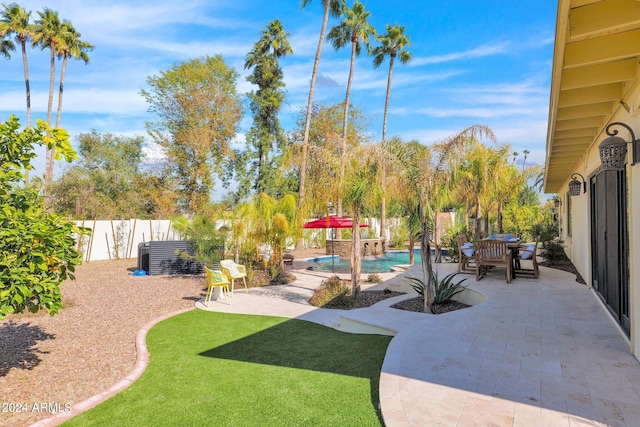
[
  {"x": 493, "y": 253},
  {"x": 234, "y": 271},
  {"x": 216, "y": 279},
  {"x": 466, "y": 255},
  {"x": 527, "y": 253}
]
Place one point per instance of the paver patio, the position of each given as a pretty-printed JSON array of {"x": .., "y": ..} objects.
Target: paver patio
[{"x": 536, "y": 352}]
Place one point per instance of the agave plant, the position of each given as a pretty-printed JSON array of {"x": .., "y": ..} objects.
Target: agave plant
[{"x": 445, "y": 289}]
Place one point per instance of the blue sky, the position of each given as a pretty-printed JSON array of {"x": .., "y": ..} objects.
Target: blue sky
[{"x": 474, "y": 62}]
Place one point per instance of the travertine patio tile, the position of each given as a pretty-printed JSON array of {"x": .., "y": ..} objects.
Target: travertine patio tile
[{"x": 535, "y": 353}]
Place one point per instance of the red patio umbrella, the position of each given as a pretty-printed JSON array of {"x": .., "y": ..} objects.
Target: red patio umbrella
[{"x": 332, "y": 222}]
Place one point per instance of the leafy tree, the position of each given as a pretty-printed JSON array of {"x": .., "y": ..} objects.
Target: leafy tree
[
  {"x": 354, "y": 29},
  {"x": 199, "y": 111},
  {"x": 109, "y": 182},
  {"x": 37, "y": 248},
  {"x": 393, "y": 43},
  {"x": 259, "y": 167},
  {"x": 336, "y": 8}
]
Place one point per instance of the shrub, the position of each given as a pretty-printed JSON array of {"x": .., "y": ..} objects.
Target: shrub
[
  {"x": 553, "y": 251},
  {"x": 332, "y": 292},
  {"x": 448, "y": 239},
  {"x": 374, "y": 278},
  {"x": 445, "y": 289},
  {"x": 279, "y": 276}
]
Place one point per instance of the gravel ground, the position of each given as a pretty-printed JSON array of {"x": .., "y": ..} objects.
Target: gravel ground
[{"x": 90, "y": 344}]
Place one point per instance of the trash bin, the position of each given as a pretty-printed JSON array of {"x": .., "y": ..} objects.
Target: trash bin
[{"x": 143, "y": 256}]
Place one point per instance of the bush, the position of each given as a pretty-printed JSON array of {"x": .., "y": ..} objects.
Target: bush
[
  {"x": 553, "y": 251},
  {"x": 332, "y": 292},
  {"x": 449, "y": 238},
  {"x": 445, "y": 289},
  {"x": 374, "y": 278},
  {"x": 279, "y": 276}
]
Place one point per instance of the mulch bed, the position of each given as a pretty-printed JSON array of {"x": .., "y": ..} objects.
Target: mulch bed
[{"x": 564, "y": 265}]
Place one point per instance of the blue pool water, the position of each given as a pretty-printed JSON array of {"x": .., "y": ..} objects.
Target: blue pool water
[{"x": 381, "y": 264}]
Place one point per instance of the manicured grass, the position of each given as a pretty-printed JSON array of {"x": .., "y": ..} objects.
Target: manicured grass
[{"x": 239, "y": 370}]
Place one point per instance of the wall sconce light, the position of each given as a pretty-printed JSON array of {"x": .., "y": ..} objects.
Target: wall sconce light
[
  {"x": 575, "y": 185},
  {"x": 557, "y": 202},
  {"x": 613, "y": 150}
]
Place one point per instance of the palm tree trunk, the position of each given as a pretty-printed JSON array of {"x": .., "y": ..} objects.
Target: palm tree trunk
[
  {"x": 386, "y": 102},
  {"x": 25, "y": 66},
  {"x": 345, "y": 126},
  {"x": 355, "y": 253},
  {"x": 63, "y": 68},
  {"x": 307, "y": 123},
  {"x": 412, "y": 244},
  {"x": 500, "y": 227},
  {"x": 48, "y": 174},
  {"x": 427, "y": 268},
  {"x": 436, "y": 239},
  {"x": 383, "y": 211},
  {"x": 383, "y": 205},
  {"x": 478, "y": 221}
]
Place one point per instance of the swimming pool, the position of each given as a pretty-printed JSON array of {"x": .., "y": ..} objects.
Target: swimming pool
[{"x": 381, "y": 264}]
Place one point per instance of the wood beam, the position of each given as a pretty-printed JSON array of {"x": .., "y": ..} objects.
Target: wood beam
[
  {"x": 599, "y": 74},
  {"x": 585, "y": 122},
  {"x": 591, "y": 95},
  {"x": 606, "y": 17},
  {"x": 599, "y": 109},
  {"x": 607, "y": 48},
  {"x": 573, "y": 133},
  {"x": 585, "y": 140}
]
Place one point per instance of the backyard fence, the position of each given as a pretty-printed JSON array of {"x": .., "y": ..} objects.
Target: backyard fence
[{"x": 119, "y": 239}]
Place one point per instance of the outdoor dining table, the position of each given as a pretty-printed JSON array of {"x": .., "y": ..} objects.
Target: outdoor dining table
[{"x": 514, "y": 245}]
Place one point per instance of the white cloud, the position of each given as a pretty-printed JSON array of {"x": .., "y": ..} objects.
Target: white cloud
[{"x": 484, "y": 50}]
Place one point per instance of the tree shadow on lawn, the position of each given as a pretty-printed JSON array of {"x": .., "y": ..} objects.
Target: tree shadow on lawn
[
  {"x": 18, "y": 346},
  {"x": 304, "y": 345}
]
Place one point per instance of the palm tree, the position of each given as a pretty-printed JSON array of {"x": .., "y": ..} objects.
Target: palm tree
[
  {"x": 394, "y": 42},
  {"x": 354, "y": 29},
  {"x": 478, "y": 178},
  {"x": 6, "y": 47},
  {"x": 361, "y": 191},
  {"x": 428, "y": 169},
  {"x": 335, "y": 7},
  {"x": 274, "y": 39},
  {"x": 15, "y": 21},
  {"x": 70, "y": 46},
  {"x": 47, "y": 34},
  {"x": 266, "y": 101}
]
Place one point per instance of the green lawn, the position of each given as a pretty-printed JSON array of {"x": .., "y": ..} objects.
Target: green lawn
[{"x": 239, "y": 370}]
